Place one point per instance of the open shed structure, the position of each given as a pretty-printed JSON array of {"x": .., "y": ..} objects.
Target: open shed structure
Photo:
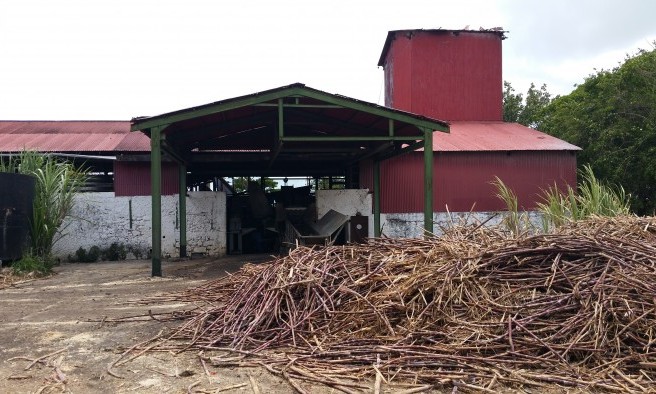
[{"x": 289, "y": 131}]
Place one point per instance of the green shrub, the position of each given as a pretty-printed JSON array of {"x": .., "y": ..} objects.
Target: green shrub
[
  {"x": 30, "y": 263},
  {"x": 115, "y": 252},
  {"x": 94, "y": 254},
  {"x": 136, "y": 251},
  {"x": 82, "y": 256}
]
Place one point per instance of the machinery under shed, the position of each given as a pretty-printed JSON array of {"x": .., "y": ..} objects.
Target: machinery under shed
[{"x": 289, "y": 131}]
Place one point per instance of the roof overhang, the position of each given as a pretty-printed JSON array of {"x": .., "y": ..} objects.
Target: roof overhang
[{"x": 291, "y": 130}]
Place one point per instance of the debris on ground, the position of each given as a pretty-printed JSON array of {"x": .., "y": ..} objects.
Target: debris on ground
[{"x": 473, "y": 310}]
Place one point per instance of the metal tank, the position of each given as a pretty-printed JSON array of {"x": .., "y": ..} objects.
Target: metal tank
[{"x": 16, "y": 199}]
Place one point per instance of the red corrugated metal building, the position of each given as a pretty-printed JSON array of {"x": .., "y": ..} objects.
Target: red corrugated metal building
[
  {"x": 452, "y": 75},
  {"x": 96, "y": 144},
  {"x": 456, "y": 76}
]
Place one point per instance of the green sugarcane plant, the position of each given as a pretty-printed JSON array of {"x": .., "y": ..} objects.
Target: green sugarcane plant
[
  {"x": 592, "y": 198},
  {"x": 57, "y": 182},
  {"x": 513, "y": 221}
]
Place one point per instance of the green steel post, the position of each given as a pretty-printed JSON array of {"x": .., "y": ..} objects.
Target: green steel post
[
  {"x": 428, "y": 180},
  {"x": 156, "y": 193},
  {"x": 183, "y": 210},
  {"x": 281, "y": 121},
  {"x": 376, "y": 198}
]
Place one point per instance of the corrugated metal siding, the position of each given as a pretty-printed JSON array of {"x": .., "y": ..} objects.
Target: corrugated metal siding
[
  {"x": 132, "y": 178},
  {"x": 453, "y": 75},
  {"x": 398, "y": 78},
  {"x": 466, "y": 177},
  {"x": 461, "y": 180}
]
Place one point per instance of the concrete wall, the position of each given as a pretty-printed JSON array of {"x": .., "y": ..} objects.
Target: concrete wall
[
  {"x": 408, "y": 225},
  {"x": 99, "y": 219},
  {"x": 349, "y": 202},
  {"x": 411, "y": 225}
]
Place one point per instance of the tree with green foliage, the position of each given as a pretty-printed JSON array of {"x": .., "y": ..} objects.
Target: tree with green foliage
[
  {"x": 612, "y": 117},
  {"x": 527, "y": 111},
  {"x": 240, "y": 184}
]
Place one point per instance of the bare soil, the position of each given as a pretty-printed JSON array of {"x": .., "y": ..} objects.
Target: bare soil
[{"x": 70, "y": 314}]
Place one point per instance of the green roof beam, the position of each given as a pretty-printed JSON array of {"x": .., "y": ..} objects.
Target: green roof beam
[
  {"x": 292, "y": 91},
  {"x": 374, "y": 110},
  {"x": 192, "y": 113},
  {"x": 362, "y": 138},
  {"x": 325, "y": 106}
]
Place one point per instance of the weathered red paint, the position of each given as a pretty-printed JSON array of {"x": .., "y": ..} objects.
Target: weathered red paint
[
  {"x": 496, "y": 136},
  {"x": 461, "y": 180},
  {"x": 132, "y": 178},
  {"x": 444, "y": 74},
  {"x": 71, "y": 136}
]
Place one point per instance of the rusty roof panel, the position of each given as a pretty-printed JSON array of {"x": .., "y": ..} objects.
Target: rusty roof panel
[
  {"x": 496, "y": 136},
  {"x": 71, "y": 136},
  {"x": 65, "y": 126},
  {"x": 134, "y": 142}
]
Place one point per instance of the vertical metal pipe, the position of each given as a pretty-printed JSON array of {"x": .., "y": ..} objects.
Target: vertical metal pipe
[
  {"x": 377, "y": 198},
  {"x": 428, "y": 180},
  {"x": 156, "y": 193},
  {"x": 183, "y": 209}
]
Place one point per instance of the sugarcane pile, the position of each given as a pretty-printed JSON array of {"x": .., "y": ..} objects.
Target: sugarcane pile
[{"x": 474, "y": 309}]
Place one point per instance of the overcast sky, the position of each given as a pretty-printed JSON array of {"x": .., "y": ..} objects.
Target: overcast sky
[{"x": 117, "y": 59}]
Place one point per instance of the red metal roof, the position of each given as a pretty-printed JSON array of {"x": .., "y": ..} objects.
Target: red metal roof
[
  {"x": 115, "y": 136},
  {"x": 496, "y": 136},
  {"x": 71, "y": 136}
]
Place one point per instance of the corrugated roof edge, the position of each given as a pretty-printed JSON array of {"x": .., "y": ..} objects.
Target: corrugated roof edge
[
  {"x": 63, "y": 121},
  {"x": 136, "y": 120},
  {"x": 391, "y": 35}
]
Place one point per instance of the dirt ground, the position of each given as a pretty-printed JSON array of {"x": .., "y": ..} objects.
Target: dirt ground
[{"x": 63, "y": 314}]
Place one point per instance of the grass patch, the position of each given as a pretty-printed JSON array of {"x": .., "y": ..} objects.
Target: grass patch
[{"x": 31, "y": 264}]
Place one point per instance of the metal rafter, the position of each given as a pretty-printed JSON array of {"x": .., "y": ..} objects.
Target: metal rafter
[
  {"x": 289, "y": 91},
  {"x": 397, "y": 120}
]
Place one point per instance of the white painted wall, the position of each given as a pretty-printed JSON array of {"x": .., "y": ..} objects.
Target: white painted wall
[
  {"x": 411, "y": 225},
  {"x": 349, "y": 202},
  {"x": 101, "y": 218},
  {"x": 405, "y": 225}
]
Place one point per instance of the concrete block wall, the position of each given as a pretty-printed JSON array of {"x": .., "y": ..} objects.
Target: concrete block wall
[{"x": 100, "y": 219}]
